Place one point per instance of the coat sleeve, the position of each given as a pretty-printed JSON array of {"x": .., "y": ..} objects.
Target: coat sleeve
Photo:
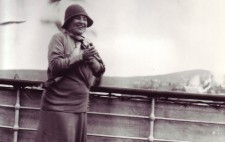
[
  {"x": 98, "y": 62},
  {"x": 58, "y": 63}
]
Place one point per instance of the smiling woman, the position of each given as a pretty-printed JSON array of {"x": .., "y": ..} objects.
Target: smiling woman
[
  {"x": 71, "y": 71},
  {"x": 78, "y": 25}
]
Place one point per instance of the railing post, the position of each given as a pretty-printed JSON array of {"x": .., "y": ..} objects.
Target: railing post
[
  {"x": 152, "y": 120},
  {"x": 16, "y": 123}
]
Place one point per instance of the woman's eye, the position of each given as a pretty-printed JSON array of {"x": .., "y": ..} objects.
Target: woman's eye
[{"x": 85, "y": 19}]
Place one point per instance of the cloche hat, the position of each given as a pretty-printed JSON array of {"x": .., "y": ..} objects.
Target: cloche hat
[{"x": 74, "y": 10}]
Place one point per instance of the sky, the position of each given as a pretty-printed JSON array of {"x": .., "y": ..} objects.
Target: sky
[{"x": 134, "y": 37}]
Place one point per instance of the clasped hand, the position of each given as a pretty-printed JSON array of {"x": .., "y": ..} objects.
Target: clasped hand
[{"x": 89, "y": 53}]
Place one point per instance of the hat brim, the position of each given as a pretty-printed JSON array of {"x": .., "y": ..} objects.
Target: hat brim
[{"x": 89, "y": 20}]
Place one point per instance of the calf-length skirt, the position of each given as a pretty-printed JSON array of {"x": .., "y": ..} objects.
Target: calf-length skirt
[{"x": 57, "y": 126}]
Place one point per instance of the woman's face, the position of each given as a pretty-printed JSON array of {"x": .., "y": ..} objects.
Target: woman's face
[{"x": 78, "y": 25}]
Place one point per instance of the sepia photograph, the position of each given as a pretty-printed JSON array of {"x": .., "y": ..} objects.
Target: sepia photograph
[{"x": 112, "y": 71}]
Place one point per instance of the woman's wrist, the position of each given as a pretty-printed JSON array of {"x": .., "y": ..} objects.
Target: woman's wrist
[{"x": 75, "y": 59}]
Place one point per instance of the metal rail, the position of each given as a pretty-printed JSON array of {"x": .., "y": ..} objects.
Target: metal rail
[
  {"x": 152, "y": 95},
  {"x": 152, "y": 120},
  {"x": 130, "y": 91},
  {"x": 17, "y": 112},
  {"x": 158, "y": 94}
]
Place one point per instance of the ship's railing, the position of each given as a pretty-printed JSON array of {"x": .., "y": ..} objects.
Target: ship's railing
[{"x": 120, "y": 114}]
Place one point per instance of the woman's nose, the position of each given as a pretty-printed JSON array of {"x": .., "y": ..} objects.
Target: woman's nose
[{"x": 82, "y": 20}]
